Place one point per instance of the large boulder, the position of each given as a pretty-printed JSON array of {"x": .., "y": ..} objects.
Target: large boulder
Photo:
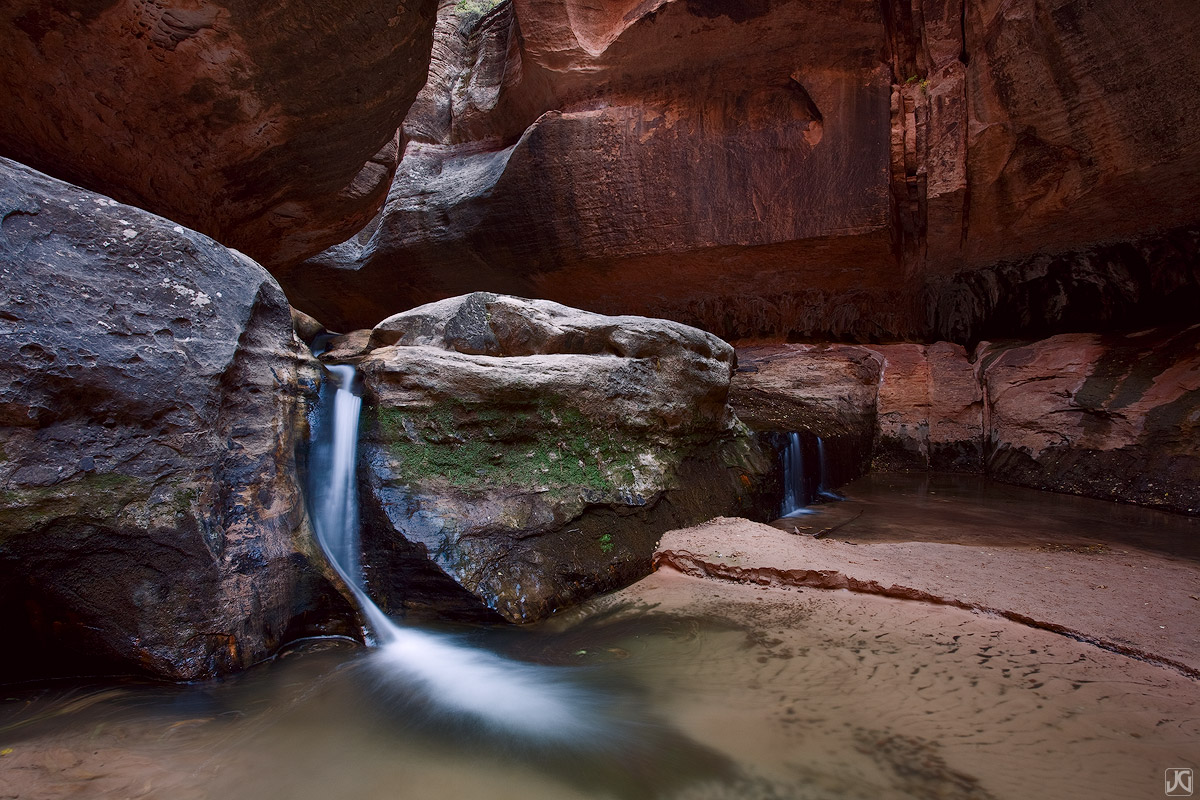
[
  {"x": 519, "y": 455},
  {"x": 270, "y": 126},
  {"x": 1116, "y": 417},
  {"x": 906, "y": 170},
  {"x": 828, "y": 390},
  {"x": 151, "y": 397}
]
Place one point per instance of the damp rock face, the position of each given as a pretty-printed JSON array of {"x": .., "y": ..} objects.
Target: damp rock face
[
  {"x": 1116, "y": 417},
  {"x": 151, "y": 395},
  {"x": 518, "y": 455},
  {"x": 272, "y": 127}
]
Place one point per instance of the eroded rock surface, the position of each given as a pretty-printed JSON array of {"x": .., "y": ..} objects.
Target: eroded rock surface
[
  {"x": 1107, "y": 416},
  {"x": 519, "y": 455},
  {"x": 151, "y": 395},
  {"x": 858, "y": 170},
  {"x": 1104, "y": 416},
  {"x": 270, "y": 126},
  {"x": 930, "y": 409}
]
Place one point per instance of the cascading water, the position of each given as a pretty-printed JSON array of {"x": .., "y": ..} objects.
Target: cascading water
[
  {"x": 797, "y": 484},
  {"x": 795, "y": 495},
  {"x": 505, "y": 695}
]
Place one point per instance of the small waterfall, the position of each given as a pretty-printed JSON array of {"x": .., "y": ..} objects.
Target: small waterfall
[
  {"x": 504, "y": 695},
  {"x": 823, "y": 490},
  {"x": 795, "y": 494}
]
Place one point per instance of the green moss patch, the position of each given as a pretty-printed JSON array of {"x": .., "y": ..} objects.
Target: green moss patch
[
  {"x": 93, "y": 496},
  {"x": 545, "y": 444}
]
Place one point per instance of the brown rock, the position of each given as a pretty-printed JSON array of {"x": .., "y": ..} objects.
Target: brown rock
[
  {"x": 269, "y": 126},
  {"x": 573, "y": 153},
  {"x": 855, "y": 170},
  {"x": 828, "y": 390},
  {"x": 1105, "y": 416},
  {"x": 930, "y": 413}
]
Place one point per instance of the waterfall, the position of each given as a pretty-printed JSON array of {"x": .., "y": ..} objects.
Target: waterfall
[
  {"x": 504, "y": 695},
  {"x": 823, "y": 490},
  {"x": 795, "y": 495}
]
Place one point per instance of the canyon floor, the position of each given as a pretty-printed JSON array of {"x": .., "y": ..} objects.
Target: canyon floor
[{"x": 927, "y": 637}]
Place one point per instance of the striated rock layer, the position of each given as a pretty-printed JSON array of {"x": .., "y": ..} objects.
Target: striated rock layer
[
  {"x": 912, "y": 169},
  {"x": 519, "y": 455},
  {"x": 151, "y": 397},
  {"x": 269, "y": 126}
]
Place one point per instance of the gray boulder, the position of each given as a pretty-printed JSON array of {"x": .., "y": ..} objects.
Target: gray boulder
[
  {"x": 520, "y": 455},
  {"x": 151, "y": 397}
]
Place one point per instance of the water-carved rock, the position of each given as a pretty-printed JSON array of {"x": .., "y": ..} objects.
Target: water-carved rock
[
  {"x": 151, "y": 393},
  {"x": 1116, "y": 417},
  {"x": 271, "y": 127},
  {"x": 519, "y": 455},
  {"x": 857, "y": 170}
]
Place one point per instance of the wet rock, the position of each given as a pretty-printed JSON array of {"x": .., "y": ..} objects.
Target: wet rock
[
  {"x": 519, "y": 455},
  {"x": 829, "y": 390},
  {"x": 151, "y": 397},
  {"x": 1105, "y": 416},
  {"x": 271, "y": 127},
  {"x": 930, "y": 409}
]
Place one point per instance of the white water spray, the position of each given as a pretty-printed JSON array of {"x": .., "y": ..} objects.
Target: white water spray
[{"x": 504, "y": 695}]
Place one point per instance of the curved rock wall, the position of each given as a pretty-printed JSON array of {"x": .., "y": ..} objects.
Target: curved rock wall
[
  {"x": 795, "y": 168},
  {"x": 270, "y": 126},
  {"x": 151, "y": 398}
]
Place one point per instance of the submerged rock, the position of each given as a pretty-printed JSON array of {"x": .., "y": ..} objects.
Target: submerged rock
[
  {"x": 151, "y": 393},
  {"x": 519, "y": 455}
]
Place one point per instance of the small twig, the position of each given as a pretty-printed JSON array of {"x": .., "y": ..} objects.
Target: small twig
[{"x": 833, "y": 528}]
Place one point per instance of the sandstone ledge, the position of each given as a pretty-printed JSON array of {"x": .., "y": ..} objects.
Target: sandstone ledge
[{"x": 1098, "y": 598}]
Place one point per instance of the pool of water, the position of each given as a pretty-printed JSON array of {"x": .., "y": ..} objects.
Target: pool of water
[
  {"x": 677, "y": 688},
  {"x": 970, "y": 509}
]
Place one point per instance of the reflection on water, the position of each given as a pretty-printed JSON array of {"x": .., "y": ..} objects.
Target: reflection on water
[
  {"x": 683, "y": 688},
  {"x": 969, "y": 509}
]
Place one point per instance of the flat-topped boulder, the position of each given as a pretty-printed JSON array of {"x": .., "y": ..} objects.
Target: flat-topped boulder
[{"x": 519, "y": 455}]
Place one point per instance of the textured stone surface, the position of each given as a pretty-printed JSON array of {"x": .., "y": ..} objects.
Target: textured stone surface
[
  {"x": 269, "y": 126},
  {"x": 830, "y": 391},
  {"x": 1103, "y": 416},
  {"x": 520, "y": 455},
  {"x": 651, "y": 159},
  {"x": 930, "y": 409},
  {"x": 906, "y": 170},
  {"x": 1106, "y": 416},
  {"x": 1088, "y": 592},
  {"x": 151, "y": 395}
]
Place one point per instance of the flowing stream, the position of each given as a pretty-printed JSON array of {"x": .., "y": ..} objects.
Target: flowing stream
[
  {"x": 508, "y": 696},
  {"x": 684, "y": 689}
]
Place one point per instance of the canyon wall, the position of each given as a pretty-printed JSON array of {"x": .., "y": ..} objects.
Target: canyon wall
[
  {"x": 1110, "y": 416},
  {"x": 864, "y": 170},
  {"x": 271, "y": 127}
]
